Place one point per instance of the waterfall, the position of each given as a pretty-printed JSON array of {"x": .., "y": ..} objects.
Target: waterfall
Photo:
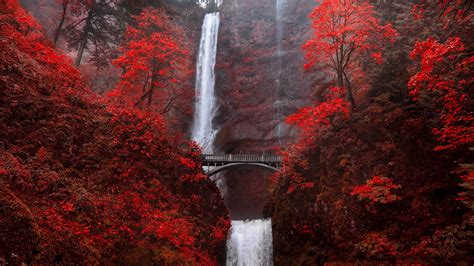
[
  {"x": 280, "y": 13},
  {"x": 250, "y": 243},
  {"x": 206, "y": 3},
  {"x": 203, "y": 132}
]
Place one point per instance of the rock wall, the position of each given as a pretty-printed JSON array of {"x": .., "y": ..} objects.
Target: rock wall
[
  {"x": 257, "y": 88},
  {"x": 248, "y": 68}
]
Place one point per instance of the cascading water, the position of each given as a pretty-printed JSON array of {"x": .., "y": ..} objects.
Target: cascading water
[
  {"x": 280, "y": 13},
  {"x": 203, "y": 132},
  {"x": 250, "y": 242},
  {"x": 206, "y": 3}
]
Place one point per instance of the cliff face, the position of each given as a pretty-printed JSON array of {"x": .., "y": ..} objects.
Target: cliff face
[{"x": 259, "y": 81}]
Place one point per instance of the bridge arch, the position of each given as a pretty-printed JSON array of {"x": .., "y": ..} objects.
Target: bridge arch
[{"x": 236, "y": 165}]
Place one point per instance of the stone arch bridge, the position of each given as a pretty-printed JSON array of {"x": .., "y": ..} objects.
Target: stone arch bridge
[{"x": 215, "y": 163}]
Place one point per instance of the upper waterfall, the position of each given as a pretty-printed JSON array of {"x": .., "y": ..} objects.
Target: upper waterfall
[
  {"x": 280, "y": 7},
  {"x": 203, "y": 132},
  {"x": 280, "y": 13}
]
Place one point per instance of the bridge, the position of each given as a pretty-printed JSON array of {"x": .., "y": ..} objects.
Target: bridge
[{"x": 217, "y": 163}]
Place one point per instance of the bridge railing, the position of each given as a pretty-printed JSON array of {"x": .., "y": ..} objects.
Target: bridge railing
[{"x": 269, "y": 158}]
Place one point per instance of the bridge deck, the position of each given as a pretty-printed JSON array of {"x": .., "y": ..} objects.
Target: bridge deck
[{"x": 242, "y": 158}]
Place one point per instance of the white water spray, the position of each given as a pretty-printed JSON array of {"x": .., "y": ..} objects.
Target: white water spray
[
  {"x": 250, "y": 243},
  {"x": 203, "y": 132}
]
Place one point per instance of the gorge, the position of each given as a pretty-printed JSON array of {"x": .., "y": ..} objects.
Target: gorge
[
  {"x": 236, "y": 132},
  {"x": 249, "y": 241}
]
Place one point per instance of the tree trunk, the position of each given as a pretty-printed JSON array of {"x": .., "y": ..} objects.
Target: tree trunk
[
  {"x": 340, "y": 79},
  {"x": 83, "y": 44},
  {"x": 148, "y": 94},
  {"x": 152, "y": 89},
  {"x": 349, "y": 95},
  {"x": 63, "y": 18},
  {"x": 340, "y": 84}
]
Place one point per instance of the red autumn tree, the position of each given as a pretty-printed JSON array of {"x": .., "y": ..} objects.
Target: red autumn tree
[
  {"x": 153, "y": 55},
  {"x": 311, "y": 120},
  {"x": 445, "y": 81},
  {"x": 343, "y": 31}
]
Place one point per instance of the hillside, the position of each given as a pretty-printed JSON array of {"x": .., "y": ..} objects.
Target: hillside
[{"x": 86, "y": 182}]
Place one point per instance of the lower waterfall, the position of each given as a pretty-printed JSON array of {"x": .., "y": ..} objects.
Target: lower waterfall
[{"x": 250, "y": 243}]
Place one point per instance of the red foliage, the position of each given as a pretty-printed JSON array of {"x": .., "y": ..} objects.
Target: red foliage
[
  {"x": 457, "y": 10},
  {"x": 343, "y": 32},
  {"x": 9, "y": 5},
  {"x": 304, "y": 229},
  {"x": 313, "y": 119},
  {"x": 375, "y": 220},
  {"x": 100, "y": 182},
  {"x": 2, "y": 169},
  {"x": 378, "y": 189},
  {"x": 376, "y": 245},
  {"x": 219, "y": 231},
  {"x": 350, "y": 25},
  {"x": 446, "y": 77},
  {"x": 153, "y": 59},
  {"x": 442, "y": 244}
]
